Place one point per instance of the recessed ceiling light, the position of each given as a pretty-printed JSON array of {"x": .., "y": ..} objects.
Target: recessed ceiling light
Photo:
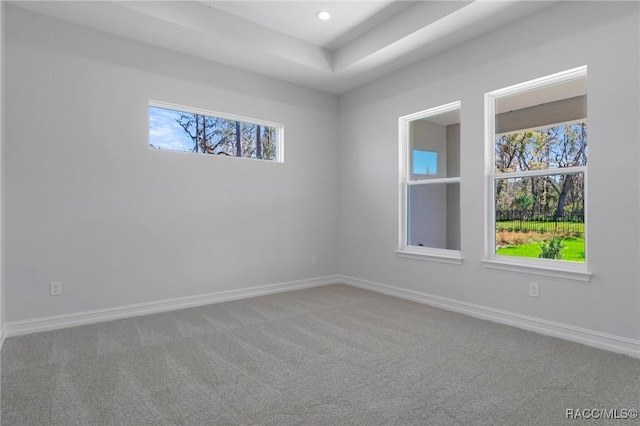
[{"x": 323, "y": 15}]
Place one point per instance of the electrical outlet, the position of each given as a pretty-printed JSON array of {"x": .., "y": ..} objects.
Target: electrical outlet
[
  {"x": 534, "y": 290},
  {"x": 55, "y": 288},
  {"x": 314, "y": 260}
]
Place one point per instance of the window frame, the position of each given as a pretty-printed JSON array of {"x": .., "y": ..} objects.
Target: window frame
[
  {"x": 404, "y": 167},
  {"x": 225, "y": 116},
  {"x": 546, "y": 267}
]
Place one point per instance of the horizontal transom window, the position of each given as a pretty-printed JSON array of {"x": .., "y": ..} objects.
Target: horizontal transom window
[{"x": 184, "y": 129}]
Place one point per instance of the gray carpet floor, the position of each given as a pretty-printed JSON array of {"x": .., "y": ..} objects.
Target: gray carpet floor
[{"x": 330, "y": 355}]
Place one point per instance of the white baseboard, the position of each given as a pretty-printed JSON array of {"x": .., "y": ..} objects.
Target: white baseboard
[
  {"x": 16, "y": 328},
  {"x": 564, "y": 331}
]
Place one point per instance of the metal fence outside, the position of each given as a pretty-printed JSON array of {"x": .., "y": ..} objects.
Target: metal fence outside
[{"x": 526, "y": 220}]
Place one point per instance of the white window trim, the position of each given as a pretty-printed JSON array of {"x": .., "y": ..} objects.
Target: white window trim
[
  {"x": 404, "y": 250},
  {"x": 232, "y": 117},
  {"x": 547, "y": 267},
  {"x": 433, "y": 254}
]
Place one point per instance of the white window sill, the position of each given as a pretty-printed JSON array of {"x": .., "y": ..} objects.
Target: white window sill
[
  {"x": 555, "y": 269},
  {"x": 434, "y": 255}
]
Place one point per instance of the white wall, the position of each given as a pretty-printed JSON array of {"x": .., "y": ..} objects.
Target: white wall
[
  {"x": 604, "y": 36},
  {"x": 89, "y": 204},
  {"x": 2, "y": 298}
]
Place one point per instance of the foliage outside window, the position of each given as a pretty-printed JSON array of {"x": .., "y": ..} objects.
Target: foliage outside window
[
  {"x": 177, "y": 128},
  {"x": 430, "y": 184},
  {"x": 538, "y": 173}
]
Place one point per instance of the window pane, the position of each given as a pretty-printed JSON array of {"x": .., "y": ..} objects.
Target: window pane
[
  {"x": 424, "y": 162},
  {"x": 544, "y": 106},
  {"x": 189, "y": 132},
  {"x": 545, "y": 148},
  {"x": 433, "y": 215},
  {"x": 435, "y": 147},
  {"x": 540, "y": 217}
]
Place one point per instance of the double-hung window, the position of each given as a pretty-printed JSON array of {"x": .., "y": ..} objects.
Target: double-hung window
[
  {"x": 430, "y": 184},
  {"x": 536, "y": 145}
]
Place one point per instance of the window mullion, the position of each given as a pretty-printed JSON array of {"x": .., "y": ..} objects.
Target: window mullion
[
  {"x": 541, "y": 172},
  {"x": 433, "y": 181}
]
